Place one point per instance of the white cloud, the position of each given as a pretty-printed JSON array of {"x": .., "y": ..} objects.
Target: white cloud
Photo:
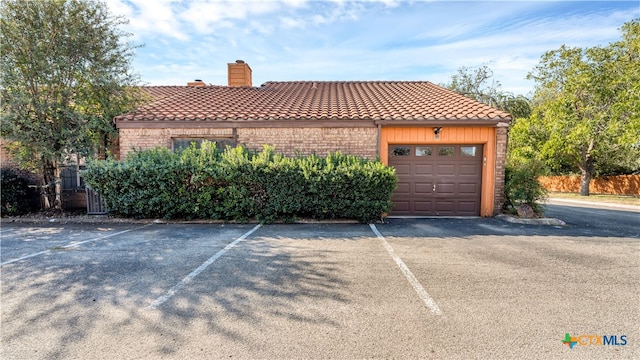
[
  {"x": 295, "y": 3},
  {"x": 204, "y": 15},
  {"x": 289, "y": 23},
  {"x": 319, "y": 19},
  {"x": 359, "y": 40},
  {"x": 148, "y": 17}
]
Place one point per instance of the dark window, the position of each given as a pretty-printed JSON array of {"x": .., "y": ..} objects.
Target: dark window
[
  {"x": 221, "y": 143},
  {"x": 446, "y": 151},
  {"x": 400, "y": 151},
  {"x": 70, "y": 177}
]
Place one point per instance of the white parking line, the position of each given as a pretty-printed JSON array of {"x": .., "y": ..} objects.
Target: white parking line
[
  {"x": 187, "y": 279},
  {"x": 72, "y": 245},
  {"x": 422, "y": 293}
]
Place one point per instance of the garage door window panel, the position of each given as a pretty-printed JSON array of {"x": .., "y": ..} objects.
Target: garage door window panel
[
  {"x": 423, "y": 151},
  {"x": 401, "y": 151},
  {"x": 470, "y": 151},
  {"x": 448, "y": 151}
]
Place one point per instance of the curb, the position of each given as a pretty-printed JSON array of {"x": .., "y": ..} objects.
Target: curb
[
  {"x": 99, "y": 219},
  {"x": 532, "y": 221}
]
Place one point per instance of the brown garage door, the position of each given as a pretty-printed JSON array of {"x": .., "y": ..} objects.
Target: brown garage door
[{"x": 437, "y": 180}]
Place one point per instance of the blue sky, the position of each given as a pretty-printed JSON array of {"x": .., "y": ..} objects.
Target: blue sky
[{"x": 360, "y": 40}]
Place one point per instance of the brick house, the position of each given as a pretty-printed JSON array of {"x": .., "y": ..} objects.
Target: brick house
[{"x": 448, "y": 150}]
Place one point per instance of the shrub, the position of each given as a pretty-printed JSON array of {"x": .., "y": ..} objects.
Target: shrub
[
  {"x": 17, "y": 197},
  {"x": 239, "y": 184},
  {"x": 522, "y": 187}
]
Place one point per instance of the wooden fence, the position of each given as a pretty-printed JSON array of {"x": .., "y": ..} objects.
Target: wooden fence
[
  {"x": 613, "y": 185},
  {"x": 95, "y": 204}
]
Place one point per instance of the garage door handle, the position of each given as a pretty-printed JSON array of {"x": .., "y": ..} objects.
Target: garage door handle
[{"x": 434, "y": 187}]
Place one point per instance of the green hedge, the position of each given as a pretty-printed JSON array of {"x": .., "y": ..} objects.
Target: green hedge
[{"x": 239, "y": 185}]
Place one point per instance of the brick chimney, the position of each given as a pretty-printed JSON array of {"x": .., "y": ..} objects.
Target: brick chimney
[
  {"x": 239, "y": 74},
  {"x": 196, "y": 82}
]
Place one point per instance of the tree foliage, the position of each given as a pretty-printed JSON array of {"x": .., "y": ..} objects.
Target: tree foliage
[
  {"x": 65, "y": 72},
  {"x": 478, "y": 83},
  {"x": 587, "y": 108}
]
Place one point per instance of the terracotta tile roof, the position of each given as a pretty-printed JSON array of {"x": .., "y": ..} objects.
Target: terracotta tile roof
[
  {"x": 312, "y": 100},
  {"x": 160, "y": 92}
]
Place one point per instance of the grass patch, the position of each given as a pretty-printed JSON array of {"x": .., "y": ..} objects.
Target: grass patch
[{"x": 615, "y": 199}]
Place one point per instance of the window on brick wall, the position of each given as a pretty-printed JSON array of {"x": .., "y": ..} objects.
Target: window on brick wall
[
  {"x": 180, "y": 144},
  {"x": 71, "y": 173},
  {"x": 71, "y": 178}
]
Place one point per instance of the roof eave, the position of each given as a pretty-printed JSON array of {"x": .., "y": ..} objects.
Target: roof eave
[
  {"x": 244, "y": 123},
  {"x": 445, "y": 122},
  {"x": 324, "y": 122}
]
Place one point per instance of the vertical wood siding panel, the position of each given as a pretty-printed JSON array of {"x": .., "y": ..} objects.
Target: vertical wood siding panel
[
  {"x": 489, "y": 172},
  {"x": 392, "y": 134},
  {"x": 414, "y": 135},
  {"x": 406, "y": 134},
  {"x": 445, "y": 134},
  {"x": 468, "y": 134},
  {"x": 427, "y": 134},
  {"x": 384, "y": 145}
]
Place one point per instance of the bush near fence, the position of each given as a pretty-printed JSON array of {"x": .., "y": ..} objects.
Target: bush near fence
[
  {"x": 240, "y": 185},
  {"x": 611, "y": 185},
  {"x": 17, "y": 197}
]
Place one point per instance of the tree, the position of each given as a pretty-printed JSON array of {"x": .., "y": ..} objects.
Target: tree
[
  {"x": 587, "y": 106},
  {"x": 65, "y": 72},
  {"x": 478, "y": 83}
]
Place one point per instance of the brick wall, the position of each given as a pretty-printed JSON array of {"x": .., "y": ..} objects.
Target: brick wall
[
  {"x": 289, "y": 141},
  {"x": 501, "y": 157}
]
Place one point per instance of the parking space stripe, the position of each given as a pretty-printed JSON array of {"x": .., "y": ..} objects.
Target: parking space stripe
[
  {"x": 187, "y": 279},
  {"x": 72, "y": 245},
  {"x": 422, "y": 293}
]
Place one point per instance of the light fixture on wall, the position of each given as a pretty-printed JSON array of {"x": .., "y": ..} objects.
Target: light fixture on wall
[{"x": 436, "y": 132}]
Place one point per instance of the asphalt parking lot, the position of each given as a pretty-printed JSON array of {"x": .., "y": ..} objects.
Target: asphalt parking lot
[{"x": 412, "y": 288}]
